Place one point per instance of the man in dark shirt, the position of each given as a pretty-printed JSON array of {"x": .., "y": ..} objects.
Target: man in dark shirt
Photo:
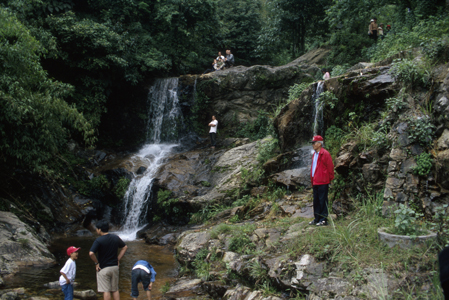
[{"x": 107, "y": 263}]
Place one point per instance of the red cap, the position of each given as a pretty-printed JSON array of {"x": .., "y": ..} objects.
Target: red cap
[
  {"x": 317, "y": 138},
  {"x": 71, "y": 249}
]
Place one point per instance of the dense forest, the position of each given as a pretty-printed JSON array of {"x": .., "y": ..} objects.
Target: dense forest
[{"x": 67, "y": 63}]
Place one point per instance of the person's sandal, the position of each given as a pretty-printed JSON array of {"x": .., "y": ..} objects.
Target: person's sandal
[
  {"x": 313, "y": 222},
  {"x": 322, "y": 223}
]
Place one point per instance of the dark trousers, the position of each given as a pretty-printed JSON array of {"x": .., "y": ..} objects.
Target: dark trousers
[
  {"x": 320, "y": 202},
  {"x": 213, "y": 138},
  {"x": 374, "y": 35},
  {"x": 139, "y": 275},
  {"x": 67, "y": 289}
]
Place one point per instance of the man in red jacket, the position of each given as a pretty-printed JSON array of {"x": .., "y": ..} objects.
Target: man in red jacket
[{"x": 321, "y": 174}]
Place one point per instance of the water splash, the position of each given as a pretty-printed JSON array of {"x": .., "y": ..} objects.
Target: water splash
[
  {"x": 165, "y": 122},
  {"x": 318, "y": 112}
]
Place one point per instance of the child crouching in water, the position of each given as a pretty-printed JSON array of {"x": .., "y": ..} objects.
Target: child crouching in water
[{"x": 68, "y": 272}]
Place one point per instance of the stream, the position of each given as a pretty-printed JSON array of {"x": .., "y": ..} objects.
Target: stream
[{"x": 33, "y": 279}]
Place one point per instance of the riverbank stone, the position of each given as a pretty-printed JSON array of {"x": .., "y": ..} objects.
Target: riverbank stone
[{"x": 20, "y": 245}]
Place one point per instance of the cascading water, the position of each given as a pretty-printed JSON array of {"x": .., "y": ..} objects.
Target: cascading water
[
  {"x": 318, "y": 113},
  {"x": 165, "y": 119}
]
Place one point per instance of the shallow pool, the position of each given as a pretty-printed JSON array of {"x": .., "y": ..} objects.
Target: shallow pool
[{"x": 161, "y": 258}]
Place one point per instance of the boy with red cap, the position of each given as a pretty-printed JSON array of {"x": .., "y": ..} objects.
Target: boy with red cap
[
  {"x": 321, "y": 174},
  {"x": 68, "y": 273}
]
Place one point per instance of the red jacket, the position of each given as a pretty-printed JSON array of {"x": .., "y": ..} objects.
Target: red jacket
[{"x": 324, "y": 172}]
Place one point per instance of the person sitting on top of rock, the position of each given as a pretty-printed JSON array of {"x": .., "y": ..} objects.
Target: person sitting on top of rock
[
  {"x": 229, "y": 60},
  {"x": 220, "y": 56},
  {"x": 220, "y": 64}
]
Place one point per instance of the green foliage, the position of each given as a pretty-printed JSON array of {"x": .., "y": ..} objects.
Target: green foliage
[
  {"x": 202, "y": 267},
  {"x": 440, "y": 224},
  {"x": 169, "y": 205},
  {"x": 121, "y": 187},
  {"x": 410, "y": 72},
  {"x": 421, "y": 130},
  {"x": 424, "y": 163},
  {"x": 334, "y": 138},
  {"x": 328, "y": 98},
  {"x": 396, "y": 104},
  {"x": 267, "y": 150},
  {"x": 339, "y": 70},
  {"x": 437, "y": 49},
  {"x": 367, "y": 136},
  {"x": 205, "y": 183},
  {"x": 241, "y": 243},
  {"x": 35, "y": 121},
  {"x": 94, "y": 187},
  {"x": 258, "y": 272},
  {"x": 197, "y": 111},
  {"x": 165, "y": 288},
  {"x": 296, "y": 90},
  {"x": 257, "y": 129},
  {"x": 405, "y": 221},
  {"x": 206, "y": 213},
  {"x": 426, "y": 32}
]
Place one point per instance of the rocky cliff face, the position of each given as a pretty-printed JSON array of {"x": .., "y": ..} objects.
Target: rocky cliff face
[
  {"x": 237, "y": 94},
  {"x": 20, "y": 245}
]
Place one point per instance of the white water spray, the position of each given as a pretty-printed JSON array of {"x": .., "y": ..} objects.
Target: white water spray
[
  {"x": 165, "y": 117},
  {"x": 318, "y": 113}
]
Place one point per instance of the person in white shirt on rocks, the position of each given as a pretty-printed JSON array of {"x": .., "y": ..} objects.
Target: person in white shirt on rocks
[{"x": 213, "y": 131}]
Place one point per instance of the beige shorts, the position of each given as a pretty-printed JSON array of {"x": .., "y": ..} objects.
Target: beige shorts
[{"x": 107, "y": 279}]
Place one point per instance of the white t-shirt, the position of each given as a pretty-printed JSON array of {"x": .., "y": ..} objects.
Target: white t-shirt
[
  {"x": 69, "y": 270},
  {"x": 213, "y": 128},
  {"x": 220, "y": 56}
]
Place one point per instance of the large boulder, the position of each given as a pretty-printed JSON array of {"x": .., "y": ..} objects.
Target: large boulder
[
  {"x": 20, "y": 245},
  {"x": 237, "y": 94},
  {"x": 191, "y": 244}
]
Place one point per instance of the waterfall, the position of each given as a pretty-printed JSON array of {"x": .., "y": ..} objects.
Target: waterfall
[
  {"x": 164, "y": 112},
  {"x": 318, "y": 112},
  {"x": 165, "y": 121}
]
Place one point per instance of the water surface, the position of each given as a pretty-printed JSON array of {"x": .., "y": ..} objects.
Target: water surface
[{"x": 160, "y": 258}]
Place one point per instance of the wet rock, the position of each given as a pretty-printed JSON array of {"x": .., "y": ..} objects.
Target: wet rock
[
  {"x": 258, "y": 191},
  {"x": 295, "y": 178},
  {"x": 442, "y": 168},
  {"x": 307, "y": 271},
  {"x": 115, "y": 175},
  {"x": 9, "y": 296},
  {"x": 191, "y": 244},
  {"x": 238, "y": 93},
  {"x": 371, "y": 172},
  {"x": 394, "y": 183},
  {"x": 408, "y": 165},
  {"x": 398, "y": 154},
  {"x": 184, "y": 285},
  {"x": 216, "y": 289},
  {"x": 443, "y": 141},
  {"x": 330, "y": 287},
  {"x": 20, "y": 245},
  {"x": 141, "y": 170},
  {"x": 230, "y": 256},
  {"x": 360, "y": 66},
  {"x": 278, "y": 163},
  {"x": 342, "y": 163},
  {"x": 225, "y": 176},
  {"x": 85, "y": 295},
  {"x": 238, "y": 293}
]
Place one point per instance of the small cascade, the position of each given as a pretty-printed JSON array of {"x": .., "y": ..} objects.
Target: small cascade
[
  {"x": 163, "y": 127},
  {"x": 318, "y": 112},
  {"x": 138, "y": 195}
]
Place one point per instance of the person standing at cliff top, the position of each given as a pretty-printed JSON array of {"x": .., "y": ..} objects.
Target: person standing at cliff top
[
  {"x": 107, "y": 263},
  {"x": 142, "y": 272},
  {"x": 373, "y": 29},
  {"x": 321, "y": 174},
  {"x": 326, "y": 74},
  {"x": 229, "y": 60},
  {"x": 213, "y": 131}
]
